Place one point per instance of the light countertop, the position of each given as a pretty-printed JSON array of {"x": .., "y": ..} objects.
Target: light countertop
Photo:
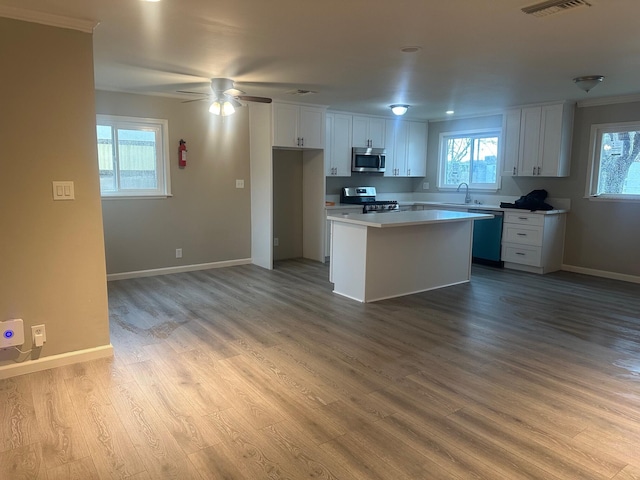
[
  {"x": 403, "y": 219},
  {"x": 451, "y": 206},
  {"x": 481, "y": 206}
]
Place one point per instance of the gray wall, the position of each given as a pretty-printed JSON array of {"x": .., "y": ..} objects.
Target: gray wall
[
  {"x": 287, "y": 203},
  {"x": 207, "y": 216},
  {"x": 52, "y": 267},
  {"x": 600, "y": 235}
]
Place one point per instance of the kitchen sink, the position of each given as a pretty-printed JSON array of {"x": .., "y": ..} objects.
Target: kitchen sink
[{"x": 455, "y": 203}]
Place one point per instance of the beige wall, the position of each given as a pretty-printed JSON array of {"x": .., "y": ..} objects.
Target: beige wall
[
  {"x": 287, "y": 203},
  {"x": 52, "y": 267},
  {"x": 207, "y": 216}
]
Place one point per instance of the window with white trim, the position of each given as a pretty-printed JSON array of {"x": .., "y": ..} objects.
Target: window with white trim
[
  {"x": 133, "y": 156},
  {"x": 614, "y": 162},
  {"x": 470, "y": 157}
]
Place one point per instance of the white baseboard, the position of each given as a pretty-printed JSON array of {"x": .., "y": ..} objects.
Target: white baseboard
[
  {"x": 602, "y": 273},
  {"x": 45, "y": 363},
  {"x": 181, "y": 269}
]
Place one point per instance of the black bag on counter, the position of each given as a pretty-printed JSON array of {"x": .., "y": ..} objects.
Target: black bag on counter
[{"x": 533, "y": 201}]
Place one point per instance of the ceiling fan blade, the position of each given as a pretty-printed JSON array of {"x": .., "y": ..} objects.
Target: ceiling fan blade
[
  {"x": 234, "y": 92},
  {"x": 251, "y": 98},
  {"x": 192, "y": 93},
  {"x": 196, "y": 100}
]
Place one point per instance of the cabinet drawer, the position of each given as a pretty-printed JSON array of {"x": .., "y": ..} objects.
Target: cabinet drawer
[
  {"x": 522, "y": 218},
  {"x": 523, "y": 254},
  {"x": 526, "y": 235}
]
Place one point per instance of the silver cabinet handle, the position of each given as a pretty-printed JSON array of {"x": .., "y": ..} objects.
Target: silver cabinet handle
[
  {"x": 538, "y": 170},
  {"x": 514, "y": 169},
  {"x": 534, "y": 171},
  {"x": 523, "y": 218},
  {"x": 302, "y": 141},
  {"x": 521, "y": 234},
  {"x": 520, "y": 253}
]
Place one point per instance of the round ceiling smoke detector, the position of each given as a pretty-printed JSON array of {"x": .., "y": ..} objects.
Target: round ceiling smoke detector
[{"x": 410, "y": 49}]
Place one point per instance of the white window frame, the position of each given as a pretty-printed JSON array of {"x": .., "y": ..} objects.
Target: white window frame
[
  {"x": 595, "y": 141},
  {"x": 161, "y": 127},
  {"x": 485, "y": 187}
]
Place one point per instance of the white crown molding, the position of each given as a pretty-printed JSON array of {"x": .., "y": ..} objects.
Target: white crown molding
[
  {"x": 594, "y": 102},
  {"x": 52, "y": 20}
]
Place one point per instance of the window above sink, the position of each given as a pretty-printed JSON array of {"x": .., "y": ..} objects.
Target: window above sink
[{"x": 471, "y": 157}]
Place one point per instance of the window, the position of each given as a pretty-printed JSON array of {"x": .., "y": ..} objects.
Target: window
[
  {"x": 470, "y": 157},
  {"x": 132, "y": 156},
  {"x": 615, "y": 162}
]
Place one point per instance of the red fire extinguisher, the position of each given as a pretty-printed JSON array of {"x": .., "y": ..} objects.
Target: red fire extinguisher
[{"x": 182, "y": 154}]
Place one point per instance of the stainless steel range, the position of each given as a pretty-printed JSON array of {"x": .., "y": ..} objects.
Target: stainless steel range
[{"x": 366, "y": 196}]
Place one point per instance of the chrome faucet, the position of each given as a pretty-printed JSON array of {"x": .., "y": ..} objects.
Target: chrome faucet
[{"x": 467, "y": 197}]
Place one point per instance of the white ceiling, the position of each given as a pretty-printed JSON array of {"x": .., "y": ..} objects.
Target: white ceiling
[{"x": 477, "y": 56}]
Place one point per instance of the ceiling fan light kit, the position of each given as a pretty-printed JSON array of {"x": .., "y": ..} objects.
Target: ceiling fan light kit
[
  {"x": 223, "y": 108},
  {"x": 588, "y": 82}
]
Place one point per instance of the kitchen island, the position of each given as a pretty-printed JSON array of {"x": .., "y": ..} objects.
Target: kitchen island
[{"x": 384, "y": 255}]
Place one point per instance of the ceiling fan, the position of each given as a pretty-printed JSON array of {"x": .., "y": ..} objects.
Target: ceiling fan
[{"x": 226, "y": 98}]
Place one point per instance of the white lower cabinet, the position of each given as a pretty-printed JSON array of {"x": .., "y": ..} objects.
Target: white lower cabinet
[
  {"x": 336, "y": 211},
  {"x": 533, "y": 242}
]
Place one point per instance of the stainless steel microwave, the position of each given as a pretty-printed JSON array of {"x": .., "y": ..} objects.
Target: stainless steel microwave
[{"x": 368, "y": 160}]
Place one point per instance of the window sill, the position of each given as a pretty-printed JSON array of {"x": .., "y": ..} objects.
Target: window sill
[
  {"x": 135, "y": 197},
  {"x": 471, "y": 189},
  {"x": 623, "y": 199}
]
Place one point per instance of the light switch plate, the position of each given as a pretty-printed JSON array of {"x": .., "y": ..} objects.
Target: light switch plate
[
  {"x": 63, "y": 191},
  {"x": 11, "y": 333}
]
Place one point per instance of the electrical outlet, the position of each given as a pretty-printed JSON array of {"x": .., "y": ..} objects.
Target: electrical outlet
[
  {"x": 239, "y": 183},
  {"x": 276, "y": 242},
  {"x": 38, "y": 335},
  {"x": 178, "y": 253},
  {"x": 425, "y": 186}
]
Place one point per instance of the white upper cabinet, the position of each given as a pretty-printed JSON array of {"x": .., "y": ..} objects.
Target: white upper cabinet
[
  {"x": 368, "y": 132},
  {"x": 510, "y": 142},
  {"x": 417, "y": 150},
  {"x": 396, "y": 141},
  {"x": 537, "y": 141},
  {"x": 406, "y": 145},
  {"x": 337, "y": 154},
  {"x": 298, "y": 126}
]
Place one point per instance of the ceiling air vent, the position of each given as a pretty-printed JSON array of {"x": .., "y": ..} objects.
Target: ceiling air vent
[
  {"x": 553, "y": 6},
  {"x": 300, "y": 92}
]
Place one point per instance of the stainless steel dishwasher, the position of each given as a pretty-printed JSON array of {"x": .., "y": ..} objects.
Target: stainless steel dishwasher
[{"x": 487, "y": 238}]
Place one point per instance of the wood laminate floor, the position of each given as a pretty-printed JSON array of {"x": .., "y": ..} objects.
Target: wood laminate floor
[{"x": 244, "y": 373}]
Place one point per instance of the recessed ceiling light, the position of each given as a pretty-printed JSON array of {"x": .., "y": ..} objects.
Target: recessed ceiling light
[
  {"x": 410, "y": 49},
  {"x": 151, "y": 1},
  {"x": 449, "y": 112}
]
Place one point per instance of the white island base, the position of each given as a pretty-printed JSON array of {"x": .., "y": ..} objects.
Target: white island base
[{"x": 385, "y": 255}]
